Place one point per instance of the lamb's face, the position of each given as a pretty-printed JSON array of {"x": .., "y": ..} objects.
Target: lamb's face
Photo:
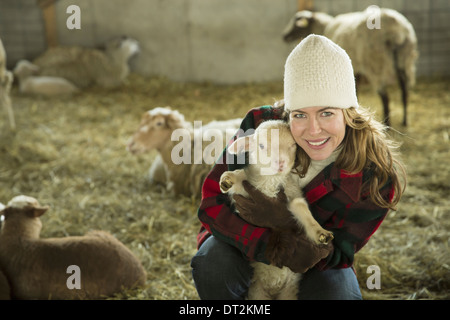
[
  {"x": 299, "y": 26},
  {"x": 125, "y": 46},
  {"x": 153, "y": 133},
  {"x": 130, "y": 47},
  {"x": 274, "y": 150}
]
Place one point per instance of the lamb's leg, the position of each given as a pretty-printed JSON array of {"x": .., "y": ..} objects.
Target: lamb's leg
[
  {"x": 385, "y": 100},
  {"x": 233, "y": 179},
  {"x": 290, "y": 291},
  {"x": 5, "y": 99},
  {"x": 404, "y": 88},
  {"x": 257, "y": 291},
  {"x": 314, "y": 231}
]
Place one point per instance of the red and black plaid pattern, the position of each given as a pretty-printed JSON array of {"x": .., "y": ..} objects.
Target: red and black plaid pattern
[{"x": 335, "y": 198}]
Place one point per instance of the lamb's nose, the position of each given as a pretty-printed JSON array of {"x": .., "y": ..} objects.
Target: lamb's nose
[{"x": 280, "y": 164}]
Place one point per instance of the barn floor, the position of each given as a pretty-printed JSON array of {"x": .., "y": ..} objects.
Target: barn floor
[{"x": 69, "y": 153}]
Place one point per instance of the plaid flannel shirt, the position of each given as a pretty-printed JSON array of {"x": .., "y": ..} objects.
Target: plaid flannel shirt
[{"x": 335, "y": 199}]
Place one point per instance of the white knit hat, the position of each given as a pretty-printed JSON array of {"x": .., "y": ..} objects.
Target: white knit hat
[{"x": 319, "y": 73}]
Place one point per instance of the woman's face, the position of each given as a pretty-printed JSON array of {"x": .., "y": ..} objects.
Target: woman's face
[{"x": 318, "y": 130}]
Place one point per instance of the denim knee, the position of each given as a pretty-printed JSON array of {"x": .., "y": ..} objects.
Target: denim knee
[
  {"x": 220, "y": 271},
  {"x": 331, "y": 284}
]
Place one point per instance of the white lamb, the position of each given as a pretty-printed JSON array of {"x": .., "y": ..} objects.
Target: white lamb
[
  {"x": 273, "y": 141},
  {"x": 41, "y": 85},
  {"x": 37, "y": 268},
  {"x": 382, "y": 55},
  {"x": 84, "y": 66},
  {"x": 157, "y": 132},
  {"x": 6, "y": 80}
]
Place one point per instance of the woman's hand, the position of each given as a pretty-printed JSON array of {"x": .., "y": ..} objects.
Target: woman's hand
[
  {"x": 263, "y": 211},
  {"x": 295, "y": 251}
]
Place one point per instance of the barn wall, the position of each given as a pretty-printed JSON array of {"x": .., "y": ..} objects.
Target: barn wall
[
  {"x": 224, "y": 41},
  {"x": 221, "y": 41},
  {"x": 21, "y": 30},
  {"x": 430, "y": 19}
]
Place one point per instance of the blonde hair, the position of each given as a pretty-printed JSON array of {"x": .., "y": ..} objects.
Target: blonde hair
[{"x": 366, "y": 145}]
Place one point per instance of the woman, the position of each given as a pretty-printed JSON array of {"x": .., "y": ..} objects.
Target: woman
[{"x": 346, "y": 167}]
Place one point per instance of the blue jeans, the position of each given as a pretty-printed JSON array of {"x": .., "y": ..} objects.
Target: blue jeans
[{"x": 221, "y": 272}]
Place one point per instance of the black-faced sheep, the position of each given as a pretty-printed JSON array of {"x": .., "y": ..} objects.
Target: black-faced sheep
[
  {"x": 6, "y": 80},
  {"x": 84, "y": 67},
  {"x": 38, "y": 268},
  {"x": 167, "y": 131},
  {"x": 272, "y": 151},
  {"x": 382, "y": 55}
]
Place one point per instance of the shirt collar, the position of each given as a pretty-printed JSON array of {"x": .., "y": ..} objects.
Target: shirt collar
[{"x": 330, "y": 178}]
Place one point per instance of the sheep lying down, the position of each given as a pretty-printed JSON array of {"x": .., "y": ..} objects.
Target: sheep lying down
[
  {"x": 47, "y": 268},
  {"x": 30, "y": 83},
  {"x": 158, "y": 131},
  {"x": 84, "y": 67},
  {"x": 274, "y": 136}
]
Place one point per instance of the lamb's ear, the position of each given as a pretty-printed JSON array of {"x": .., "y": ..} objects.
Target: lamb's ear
[
  {"x": 241, "y": 145},
  {"x": 39, "y": 211}
]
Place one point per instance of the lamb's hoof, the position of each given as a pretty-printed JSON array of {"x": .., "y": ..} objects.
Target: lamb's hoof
[
  {"x": 225, "y": 184},
  {"x": 325, "y": 238}
]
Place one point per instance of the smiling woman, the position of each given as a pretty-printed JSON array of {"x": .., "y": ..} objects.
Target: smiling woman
[
  {"x": 317, "y": 130},
  {"x": 346, "y": 167}
]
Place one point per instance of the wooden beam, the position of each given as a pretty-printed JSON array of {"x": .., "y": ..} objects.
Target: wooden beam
[
  {"x": 49, "y": 14},
  {"x": 305, "y": 4}
]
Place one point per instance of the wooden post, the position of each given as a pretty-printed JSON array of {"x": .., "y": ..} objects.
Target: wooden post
[
  {"x": 49, "y": 13},
  {"x": 305, "y": 5}
]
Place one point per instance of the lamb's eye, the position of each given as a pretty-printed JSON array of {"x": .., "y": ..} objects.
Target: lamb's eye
[{"x": 261, "y": 146}]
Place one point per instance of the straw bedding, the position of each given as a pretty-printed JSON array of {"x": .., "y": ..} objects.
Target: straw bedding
[{"x": 69, "y": 153}]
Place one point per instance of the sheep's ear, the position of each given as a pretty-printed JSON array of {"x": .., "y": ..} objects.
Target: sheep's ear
[
  {"x": 2, "y": 208},
  {"x": 241, "y": 145},
  {"x": 39, "y": 211},
  {"x": 174, "y": 119}
]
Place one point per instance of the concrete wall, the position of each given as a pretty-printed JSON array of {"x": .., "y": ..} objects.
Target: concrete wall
[{"x": 224, "y": 41}]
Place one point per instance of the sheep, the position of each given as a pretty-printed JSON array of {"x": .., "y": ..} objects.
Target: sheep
[
  {"x": 85, "y": 67},
  {"x": 158, "y": 129},
  {"x": 273, "y": 137},
  {"x": 41, "y": 85},
  {"x": 39, "y": 268},
  {"x": 6, "y": 80},
  {"x": 379, "y": 55}
]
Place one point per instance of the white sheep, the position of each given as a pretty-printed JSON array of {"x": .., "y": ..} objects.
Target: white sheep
[
  {"x": 6, "y": 80},
  {"x": 381, "y": 55},
  {"x": 41, "y": 85},
  {"x": 157, "y": 131},
  {"x": 84, "y": 66},
  {"x": 38, "y": 268},
  {"x": 272, "y": 152}
]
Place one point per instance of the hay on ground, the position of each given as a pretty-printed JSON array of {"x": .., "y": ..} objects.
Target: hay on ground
[{"x": 70, "y": 154}]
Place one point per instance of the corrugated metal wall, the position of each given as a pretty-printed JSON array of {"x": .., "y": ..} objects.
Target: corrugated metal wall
[{"x": 21, "y": 30}]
